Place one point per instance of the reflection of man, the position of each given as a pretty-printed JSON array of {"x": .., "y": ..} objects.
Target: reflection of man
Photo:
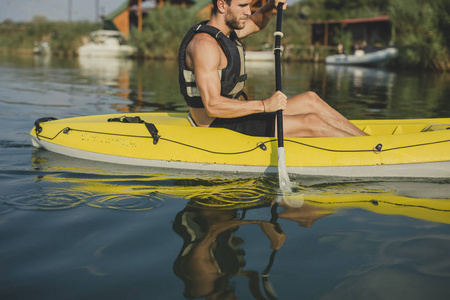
[
  {"x": 210, "y": 255},
  {"x": 212, "y": 75}
]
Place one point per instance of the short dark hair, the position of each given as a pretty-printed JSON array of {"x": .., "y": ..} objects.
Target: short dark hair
[{"x": 214, "y": 2}]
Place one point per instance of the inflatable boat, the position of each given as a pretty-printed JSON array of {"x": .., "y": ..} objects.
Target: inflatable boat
[{"x": 363, "y": 59}]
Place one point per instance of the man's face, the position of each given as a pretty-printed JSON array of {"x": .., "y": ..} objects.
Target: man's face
[{"x": 237, "y": 13}]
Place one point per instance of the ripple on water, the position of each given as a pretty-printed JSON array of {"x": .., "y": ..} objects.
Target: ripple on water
[{"x": 133, "y": 192}]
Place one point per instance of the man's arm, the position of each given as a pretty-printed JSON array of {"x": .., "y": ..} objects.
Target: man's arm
[
  {"x": 260, "y": 18},
  {"x": 204, "y": 58}
]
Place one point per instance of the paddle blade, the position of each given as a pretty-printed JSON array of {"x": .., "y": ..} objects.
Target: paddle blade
[
  {"x": 294, "y": 200},
  {"x": 283, "y": 177},
  {"x": 268, "y": 288}
]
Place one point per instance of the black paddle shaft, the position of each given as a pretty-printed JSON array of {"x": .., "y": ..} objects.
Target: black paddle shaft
[{"x": 277, "y": 52}]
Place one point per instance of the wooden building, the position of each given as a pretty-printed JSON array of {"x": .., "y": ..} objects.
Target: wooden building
[{"x": 369, "y": 30}]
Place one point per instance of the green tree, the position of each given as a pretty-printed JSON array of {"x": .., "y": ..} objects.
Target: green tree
[
  {"x": 163, "y": 31},
  {"x": 421, "y": 32},
  {"x": 341, "y": 9}
]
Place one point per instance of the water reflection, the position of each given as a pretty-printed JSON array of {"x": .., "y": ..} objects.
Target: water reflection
[
  {"x": 363, "y": 81},
  {"x": 143, "y": 85},
  {"x": 42, "y": 60},
  {"x": 357, "y": 92},
  {"x": 113, "y": 186},
  {"x": 212, "y": 253},
  {"x": 371, "y": 88},
  {"x": 225, "y": 235},
  {"x": 159, "y": 83},
  {"x": 113, "y": 72},
  {"x": 216, "y": 258}
]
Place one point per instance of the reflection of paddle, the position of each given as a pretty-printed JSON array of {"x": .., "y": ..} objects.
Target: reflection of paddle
[
  {"x": 285, "y": 184},
  {"x": 267, "y": 285}
]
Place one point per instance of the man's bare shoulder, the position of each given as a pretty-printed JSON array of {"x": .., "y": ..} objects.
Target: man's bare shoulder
[
  {"x": 201, "y": 41},
  {"x": 203, "y": 48}
]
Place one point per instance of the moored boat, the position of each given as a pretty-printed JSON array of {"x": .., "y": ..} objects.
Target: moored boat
[
  {"x": 106, "y": 43},
  {"x": 266, "y": 54},
  {"x": 379, "y": 57},
  {"x": 43, "y": 48},
  {"x": 396, "y": 148},
  {"x": 259, "y": 56}
]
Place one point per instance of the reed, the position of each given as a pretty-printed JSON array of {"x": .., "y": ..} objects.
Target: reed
[
  {"x": 163, "y": 31},
  {"x": 422, "y": 33},
  {"x": 64, "y": 37},
  {"x": 68, "y": 37}
]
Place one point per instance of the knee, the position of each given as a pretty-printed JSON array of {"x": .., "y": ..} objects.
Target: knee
[
  {"x": 312, "y": 95},
  {"x": 314, "y": 100}
]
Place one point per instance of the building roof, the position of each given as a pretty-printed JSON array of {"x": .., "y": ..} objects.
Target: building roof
[
  {"x": 353, "y": 21},
  {"x": 116, "y": 12}
]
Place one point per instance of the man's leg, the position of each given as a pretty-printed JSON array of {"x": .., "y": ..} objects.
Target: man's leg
[
  {"x": 311, "y": 103},
  {"x": 309, "y": 125}
]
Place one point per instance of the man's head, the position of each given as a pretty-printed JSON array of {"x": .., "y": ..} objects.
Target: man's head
[
  {"x": 236, "y": 12},
  {"x": 214, "y": 2}
]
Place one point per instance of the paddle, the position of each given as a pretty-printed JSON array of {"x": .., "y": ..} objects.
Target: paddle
[
  {"x": 267, "y": 285},
  {"x": 285, "y": 184}
]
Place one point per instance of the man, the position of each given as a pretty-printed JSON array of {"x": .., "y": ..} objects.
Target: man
[{"x": 211, "y": 78}]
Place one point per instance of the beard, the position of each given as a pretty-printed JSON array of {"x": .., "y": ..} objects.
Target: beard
[{"x": 233, "y": 22}]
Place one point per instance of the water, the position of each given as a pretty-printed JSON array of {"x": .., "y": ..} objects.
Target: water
[{"x": 73, "y": 229}]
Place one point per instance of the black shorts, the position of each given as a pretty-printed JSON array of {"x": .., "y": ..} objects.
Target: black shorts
[{"x": 262, "y": 124}]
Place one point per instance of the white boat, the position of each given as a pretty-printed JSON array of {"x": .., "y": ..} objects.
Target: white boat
[
  {"x": 107, "y": 43},
  {"x": 259, "y": 55},
  {"x": 263, "y": 55},
  {"x": 361, "y": 58},
  {"x": 42, "y": 48}
]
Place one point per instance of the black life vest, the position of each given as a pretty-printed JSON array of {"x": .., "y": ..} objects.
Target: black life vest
[{"x": 231, "y": 78}]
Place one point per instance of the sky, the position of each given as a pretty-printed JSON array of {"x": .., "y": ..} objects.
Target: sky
[{"x": 56, "y": 10}]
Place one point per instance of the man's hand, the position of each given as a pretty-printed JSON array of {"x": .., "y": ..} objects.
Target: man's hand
[
  {"x": 276, "y": 102},
  {"x": 275, "y": 234},
  {"x": 275, "y": 3},
  {"x": 260, "y": 18}
]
